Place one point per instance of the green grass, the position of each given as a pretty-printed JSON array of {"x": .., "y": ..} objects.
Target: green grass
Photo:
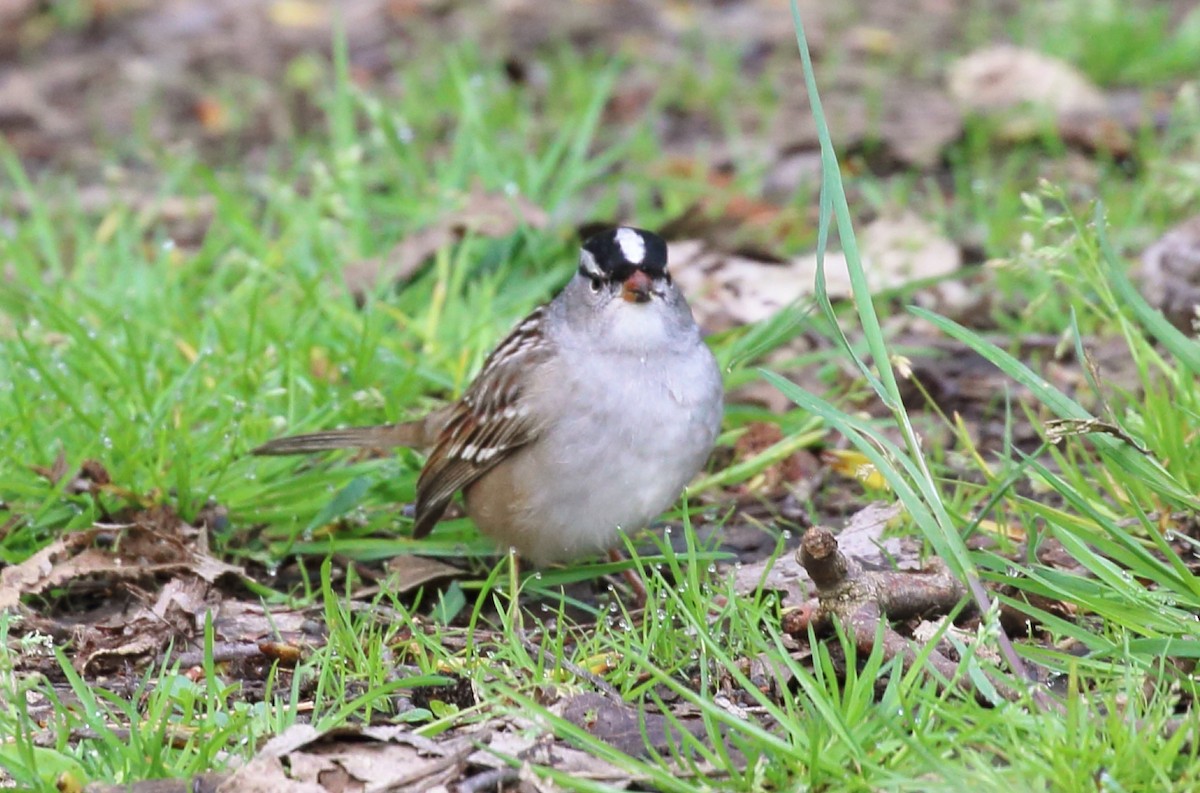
[
  {"x": 1115, "y": 42},
  {"x": 167, "y": 362}
]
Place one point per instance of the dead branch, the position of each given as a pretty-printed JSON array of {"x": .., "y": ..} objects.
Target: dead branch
[{"x": 864, "y": 601}]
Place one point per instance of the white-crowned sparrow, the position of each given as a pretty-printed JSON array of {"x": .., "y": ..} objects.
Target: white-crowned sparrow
[{"x": 587, "y": 420}]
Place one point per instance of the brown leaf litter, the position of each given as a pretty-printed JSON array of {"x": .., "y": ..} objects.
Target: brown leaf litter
[
  {"x": 101, "y": 572},
  {"x": 1169, "y": 276},
  {"x": 896, "y": 125},
  {"x": 153, "y": 542},
  {"x": 485, "y": 757},
  {"x": 795, "y": 474},
  {"x": 728, "y": 290},
  {"x": 1026, "y": 89}
]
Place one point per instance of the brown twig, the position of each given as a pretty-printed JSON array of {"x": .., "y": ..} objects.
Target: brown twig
[{"x": 863, "y": 601}]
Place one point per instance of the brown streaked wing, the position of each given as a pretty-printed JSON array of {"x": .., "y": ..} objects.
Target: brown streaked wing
[{"x": 488, "y": 424}]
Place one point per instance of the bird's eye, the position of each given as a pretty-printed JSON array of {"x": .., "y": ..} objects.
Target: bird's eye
[
  {"x": 597, "y": 285},
  {"x": 667, "y": 278}
]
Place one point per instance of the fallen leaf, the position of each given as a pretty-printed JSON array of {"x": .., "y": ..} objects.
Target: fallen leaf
[
  {"x": 1169, "y": 276},
  {"x": 855, "y": 465},
  {"x": 1005, "y": 78},
  {"x": 526, "y": 742},
  {"x": 155, "y": 541},
  {"x": 727, "y": 290},
  {"x": 861, "y": 537},
  {"x": 909, "y": 126},
  {"x": 778, "y": 478},
  {"x": 55, "y": 471},
  {"x": 725, "y": 217},
  {"x": 634, "y": 731},
  {"x": 1009, "y": 531},
  {"x": 953, "y": 637},
  {"x": 14, "y": 12},
  {"x": 299, "y": 14},
  {"x": 900, "y": 249},
  {"x": 23, "y": 101},
  {"x": 1024, "y": 89},
  {"x": 407, "y": 572},
  {"x": 116, "y": 634},
  {"x": 306, "y": 760},
  {"x": 917, "y": 126},
  {"x": 49, "y": 567},
  {"x": 213, "y": 115},
  {"x": 238, "y": 621},
  {"x": 871, "y": 40}
]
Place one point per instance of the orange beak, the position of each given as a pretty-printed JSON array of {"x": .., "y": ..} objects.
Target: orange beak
[{"x": 636, "y": 288}]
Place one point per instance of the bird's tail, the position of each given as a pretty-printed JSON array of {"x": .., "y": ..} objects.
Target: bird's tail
[{"x": 384, "y": 436}]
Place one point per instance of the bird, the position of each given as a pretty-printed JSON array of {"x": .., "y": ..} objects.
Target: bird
[{"x": 587, "y": 421}]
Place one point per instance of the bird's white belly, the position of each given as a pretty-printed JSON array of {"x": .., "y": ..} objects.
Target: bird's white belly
[{"x": 620, "y": 464}]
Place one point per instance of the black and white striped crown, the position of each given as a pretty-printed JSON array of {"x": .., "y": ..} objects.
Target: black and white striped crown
[{"x": 615, "y": 254}]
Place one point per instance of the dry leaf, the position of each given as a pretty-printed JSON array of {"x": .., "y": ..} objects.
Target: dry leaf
[
  {"x": 117, "y": 635},
  {"x": 918, "y": 124},
  {"x": 407, "y": 572},
  {"x": 928, "y": 630},
  {"x": 778, "y": 478},
  {"x": 374, "y": 758},
  {"x": 871, "y": 40},
  {"x": 729, "y": 290},
  {"x": 13, "y": 12},
  {"x": 1169, "y": 276},
  {"x": 213, "y": 115},
  {"x": 1004, "y": 78},
  {"x": 1027, "y": 88},
  {"x": 299, "y": 14},
  {"x": 238, "y": 621},
  {"x": 1009, "y": 531},
  {"x": 155, "y": 541},
  {"x": 901, "y": 249},
  {"x": 47, "y": 568},
  {"x": 855, "y": 465},
  {"x": 909, "y": 126},
  {"x": 516, "y": 738},
  {"x": 633, "y": 731}
]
